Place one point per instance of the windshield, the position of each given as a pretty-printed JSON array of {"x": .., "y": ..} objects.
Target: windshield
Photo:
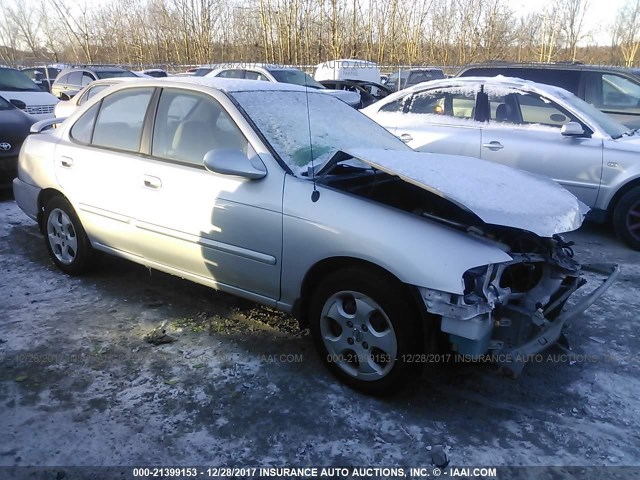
[
  {"x": 612, "y": 127},
  {"x": 115, "y": 73},
  {"x": 15, "y": 81},
  {"x": 334, "y": 126},
  {"x": 295, "y": 77}
]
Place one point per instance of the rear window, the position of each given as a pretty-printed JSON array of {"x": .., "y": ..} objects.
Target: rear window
[
  {"x": 295, "y": 77},
  {"x": 114, "y": 73}
]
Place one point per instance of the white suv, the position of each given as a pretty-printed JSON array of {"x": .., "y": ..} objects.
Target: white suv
[{"x": 15, "y": 85}]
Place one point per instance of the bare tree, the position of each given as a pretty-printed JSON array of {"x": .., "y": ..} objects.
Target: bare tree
[
  {"x": 572, "y": 19},
  {"x": 626, "y": 31}
]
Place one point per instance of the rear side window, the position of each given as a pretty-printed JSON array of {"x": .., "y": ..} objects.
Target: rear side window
[
  {"x": 395, "y": 106},
  {"x": 454, "y": 102},
  {"x": 86, "y": 79},
  {"x": 612, "y": 92},
  {"x": 250, "y": 75},
  {"x": 120, "y": 120},
  {"x": 231, "y": 74},
  {"x": 74, "y": 78}
]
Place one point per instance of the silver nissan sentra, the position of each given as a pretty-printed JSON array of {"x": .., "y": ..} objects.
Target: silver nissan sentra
[{"x": 293, "y": 199}]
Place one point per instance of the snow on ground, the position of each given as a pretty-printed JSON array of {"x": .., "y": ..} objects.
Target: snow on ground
[{"x": 243, "y": 386}]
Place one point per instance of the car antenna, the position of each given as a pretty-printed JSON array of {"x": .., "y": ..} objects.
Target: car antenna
[{"x": 315, "y": 195}]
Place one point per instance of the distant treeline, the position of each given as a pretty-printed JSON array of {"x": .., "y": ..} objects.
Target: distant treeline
[{"x": 306, "y": 32}]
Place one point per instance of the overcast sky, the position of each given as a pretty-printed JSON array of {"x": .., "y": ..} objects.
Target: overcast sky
[{"x": 600, "y": 16}]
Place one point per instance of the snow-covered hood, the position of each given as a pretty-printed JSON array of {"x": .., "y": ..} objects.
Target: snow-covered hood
[
  {"x": 497, "y": 194},
  {"x": 350, "y": 98}
]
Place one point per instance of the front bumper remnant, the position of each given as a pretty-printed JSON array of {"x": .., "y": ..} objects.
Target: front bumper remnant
[{"x": 516, "y": 357}]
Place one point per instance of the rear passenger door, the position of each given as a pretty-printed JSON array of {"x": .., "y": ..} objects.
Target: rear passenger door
[
  {"x": 97, "y": 164},
  {"x": 218, "y": 229},
  {"x": 439, "y": 120}
]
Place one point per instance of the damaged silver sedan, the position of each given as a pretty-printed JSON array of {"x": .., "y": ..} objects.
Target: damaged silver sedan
[{"x": 292, "y": 199}]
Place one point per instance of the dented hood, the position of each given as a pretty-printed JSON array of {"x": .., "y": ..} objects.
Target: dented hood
[{"x": 498, "y": 194}]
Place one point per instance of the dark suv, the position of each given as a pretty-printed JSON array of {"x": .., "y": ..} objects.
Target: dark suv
[
  {"x": 614, "y": 90},
  {"x": 71, "y": 80},
  {"x": 409, "y": 78}
]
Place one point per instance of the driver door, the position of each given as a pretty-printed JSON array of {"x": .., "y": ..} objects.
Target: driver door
[{"x": 523, "y": 131}]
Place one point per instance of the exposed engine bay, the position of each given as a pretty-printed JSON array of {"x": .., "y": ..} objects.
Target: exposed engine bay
[{"x": 508, "y": 311}]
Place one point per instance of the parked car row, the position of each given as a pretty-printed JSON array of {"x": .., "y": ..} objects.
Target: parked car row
[
  {"x": 286, "y": 196},
  {"x": 518, "y": 123},
  {"x": 14, "y": 128}
]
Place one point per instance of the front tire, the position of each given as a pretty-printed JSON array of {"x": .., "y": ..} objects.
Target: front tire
[
  {"x": 626, "y": 218},
  {"x": 366, "y": 329},
  {"x": 66, "y": 240}
]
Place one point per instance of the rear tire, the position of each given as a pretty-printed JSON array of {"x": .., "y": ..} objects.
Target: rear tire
[
  {"x": 366, "y": 329},
  {"x": 626, "y": 218},
  {"x": 66, "y": 240}
]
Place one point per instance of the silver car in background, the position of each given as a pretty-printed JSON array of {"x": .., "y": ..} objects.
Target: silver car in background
[
  {"x": 539, "y": 128},
  {"x": 291, "y": 198}
]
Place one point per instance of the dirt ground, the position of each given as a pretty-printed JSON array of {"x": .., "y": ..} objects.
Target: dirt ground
[{"x": 242, "y": 386}]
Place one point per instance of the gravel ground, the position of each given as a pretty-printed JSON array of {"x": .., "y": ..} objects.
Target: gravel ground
[{"x": 241, "y": 385}]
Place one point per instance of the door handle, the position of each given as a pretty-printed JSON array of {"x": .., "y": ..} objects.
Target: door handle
[
  {"x": 66, "y": 162},
  {"x": 495, "y": 146},
  {"x": 406, "y": 138},
  {"x": 152, "y": 182}
]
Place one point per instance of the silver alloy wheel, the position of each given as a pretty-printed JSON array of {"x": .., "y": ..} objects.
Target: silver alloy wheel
[
  {"x": 358, "y": 335},
  {"x": 62, "y": 236}
]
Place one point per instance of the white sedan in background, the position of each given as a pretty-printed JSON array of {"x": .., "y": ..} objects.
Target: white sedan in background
[
  {"x": 540, "y": 128},
  {"x": 65, "y": 108}
]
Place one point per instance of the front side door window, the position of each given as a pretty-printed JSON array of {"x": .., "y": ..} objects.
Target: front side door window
[
  {"x": 188, "y": 125},
  {"x": 611, "y": 92},
  {"x": 523, "y": 108}
]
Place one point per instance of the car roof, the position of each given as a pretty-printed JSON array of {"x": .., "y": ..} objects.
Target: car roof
[
  {"x": 507, "y": 82},
  {"x": 576, "y": 66},
  {"x": 114, "y": 80},
  {"x": 94, "y": 68},
  {"x": 229, "y": 85}
]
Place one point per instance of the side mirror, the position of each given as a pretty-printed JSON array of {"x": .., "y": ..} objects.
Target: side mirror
[
  {"x": 234, "y": 162},
  {"x": 68, "y": 95},
  {"x": 18, "y": 103},
  {"x": 572, "y": 129}
]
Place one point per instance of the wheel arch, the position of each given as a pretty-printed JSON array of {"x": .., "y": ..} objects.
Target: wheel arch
[
  {"x": 621, "y": 192},
  {"x": 43, "y": 198},
  {"x": 328, "y": 265}
]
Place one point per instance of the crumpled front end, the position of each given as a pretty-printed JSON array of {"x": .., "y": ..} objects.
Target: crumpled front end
[{"x": 514, "y": 310}]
